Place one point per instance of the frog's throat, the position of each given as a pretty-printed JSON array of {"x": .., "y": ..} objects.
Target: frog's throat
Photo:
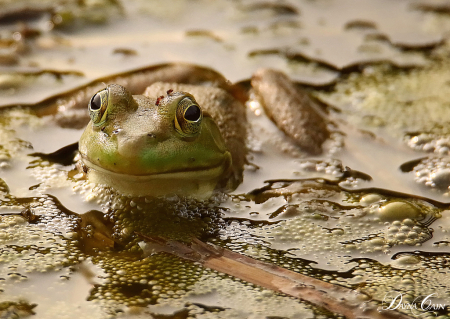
[{"x": 198, "y": 183}]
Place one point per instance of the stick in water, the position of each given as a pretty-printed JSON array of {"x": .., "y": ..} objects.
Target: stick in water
[{"x": 334, "y": 298}]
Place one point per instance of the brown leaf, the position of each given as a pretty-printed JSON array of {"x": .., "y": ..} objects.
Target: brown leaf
[{"x": 95, "y": 232}]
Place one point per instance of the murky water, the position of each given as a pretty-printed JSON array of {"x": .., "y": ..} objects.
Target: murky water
[{"x": 369, "y": 214}]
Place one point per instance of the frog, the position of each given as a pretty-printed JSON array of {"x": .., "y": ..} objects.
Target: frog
[
  {"x": 185, "y": 139},
  {"x": 184, "y": 142}
]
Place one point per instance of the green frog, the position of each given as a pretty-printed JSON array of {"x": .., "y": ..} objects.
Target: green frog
[
  {"x": 186, "y": 139},
  {"x": 142, "y": 145}
]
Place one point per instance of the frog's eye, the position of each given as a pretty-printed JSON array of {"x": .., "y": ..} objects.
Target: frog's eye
[
  {"x": 189, "y": 116},
  {"x": 98, "y": 106}
]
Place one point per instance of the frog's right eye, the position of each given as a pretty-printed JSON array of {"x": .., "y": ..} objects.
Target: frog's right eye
[
  {"x": 188, "y": 119},
  {"x": 98, "y": 106}
]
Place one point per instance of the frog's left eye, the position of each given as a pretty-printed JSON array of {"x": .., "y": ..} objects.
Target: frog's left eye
[
  {"x": 189, "y": 117},
  {"x": 98, "y": 106}
]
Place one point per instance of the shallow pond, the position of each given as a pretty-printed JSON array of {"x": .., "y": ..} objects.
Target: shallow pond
[{"x": 368, "y": 215}]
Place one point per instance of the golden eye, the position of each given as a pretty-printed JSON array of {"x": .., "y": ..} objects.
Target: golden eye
[
  {"x": 98, "y": 106},
  {"x": 188, "y": 118}
]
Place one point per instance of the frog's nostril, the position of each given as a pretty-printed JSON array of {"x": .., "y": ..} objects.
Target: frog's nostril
[{"x": 151, "y": 135}]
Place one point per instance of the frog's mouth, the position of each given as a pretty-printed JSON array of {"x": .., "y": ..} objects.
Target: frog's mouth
[
  {"x": 198, "y": 182},
  {"x": 214, "y": 172}
]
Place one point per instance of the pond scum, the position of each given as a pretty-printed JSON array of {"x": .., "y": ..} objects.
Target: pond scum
[{"x": 69, "y": 248}]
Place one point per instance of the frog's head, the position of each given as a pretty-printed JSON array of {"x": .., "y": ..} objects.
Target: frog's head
[{"x": 143, "y": 146}]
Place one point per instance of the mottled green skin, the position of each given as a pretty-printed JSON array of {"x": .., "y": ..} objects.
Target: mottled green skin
[
  {"x": 228, "y": 114},
  {"x": 138, "y": 142}
]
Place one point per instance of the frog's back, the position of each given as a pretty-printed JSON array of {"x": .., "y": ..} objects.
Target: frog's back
[{"x": 227, "y": 112}]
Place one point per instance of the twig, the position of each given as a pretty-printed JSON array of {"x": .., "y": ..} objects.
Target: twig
[{"x": 334, "y": 298}]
